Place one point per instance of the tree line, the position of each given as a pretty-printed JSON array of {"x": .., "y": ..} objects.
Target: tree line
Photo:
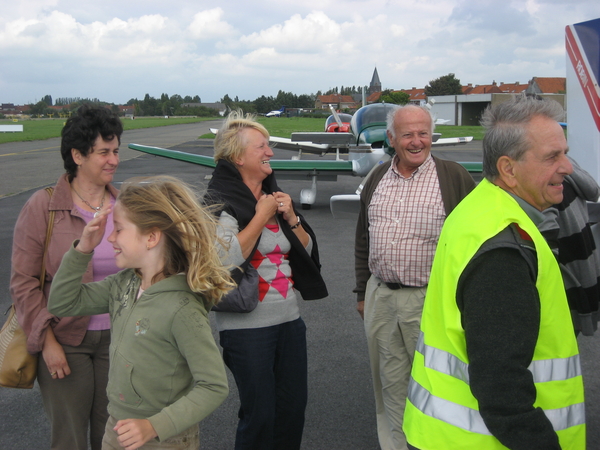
[{"x": 190, "y": 105}]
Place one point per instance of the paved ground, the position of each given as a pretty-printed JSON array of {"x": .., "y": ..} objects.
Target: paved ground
[
  {"x": 340, "y": 413},
  {"x": 28, "y": 165}
]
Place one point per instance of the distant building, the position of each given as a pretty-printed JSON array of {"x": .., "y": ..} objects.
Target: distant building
[
  {"x": 466, "y": 109},
  {"x": 12, "y": 110},
  {"x": 512, "y": 88},
  {"x": 417, "y": 96},
  {"x": 127, "y": 110},
  {"x": 338, "y": 101},
  {"x": 373, "y": 98},
  {"x": 375, "y": 85},
  {"x": 483, "y": 89},
  {"x": 538, "y": 85}
]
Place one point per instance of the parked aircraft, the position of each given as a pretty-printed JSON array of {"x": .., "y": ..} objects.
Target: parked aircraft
[
  {"x": 366, "y": 145},
  {"x": 337, "y": 122},
  {"x": 276, "y": 113}
]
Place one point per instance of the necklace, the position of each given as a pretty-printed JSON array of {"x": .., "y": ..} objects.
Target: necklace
[{"x": 95, "y": 208}]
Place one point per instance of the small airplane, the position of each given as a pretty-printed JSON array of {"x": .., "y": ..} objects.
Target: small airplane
[
  {"x": 276, "y": 113},
  {"x": 337, "y": 122},
  {"x": 366, "y": 145}
]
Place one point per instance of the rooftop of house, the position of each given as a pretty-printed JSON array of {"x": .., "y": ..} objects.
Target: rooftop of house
[
  {"x": 555, "y": 85},
  {"x": 336, "y": 98},
  {"x": 415, "y": 94},
  {"x": 374, "y": 97}
]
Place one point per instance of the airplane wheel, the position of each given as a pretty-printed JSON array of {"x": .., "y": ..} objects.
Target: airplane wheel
[{"x": 305, "y": 206}]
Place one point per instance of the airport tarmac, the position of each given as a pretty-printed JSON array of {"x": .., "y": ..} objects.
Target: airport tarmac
[{"x": 340, "y": 413}]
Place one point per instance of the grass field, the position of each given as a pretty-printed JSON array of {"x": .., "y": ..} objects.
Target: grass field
[
  {"x": 37, "y": 129},
  {"x": 285, "y": 126}
]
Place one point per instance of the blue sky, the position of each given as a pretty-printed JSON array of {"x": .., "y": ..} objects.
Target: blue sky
[{"x": 117, "y": 50}]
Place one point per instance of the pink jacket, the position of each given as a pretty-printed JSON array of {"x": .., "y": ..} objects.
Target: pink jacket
[{"x": 28, "y": 246}]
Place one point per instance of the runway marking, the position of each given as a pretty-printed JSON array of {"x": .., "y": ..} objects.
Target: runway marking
[{"x": 30, "y": 151}]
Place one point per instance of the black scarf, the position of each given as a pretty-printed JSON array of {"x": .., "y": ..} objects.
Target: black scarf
[{"x": 227, "y": 188}]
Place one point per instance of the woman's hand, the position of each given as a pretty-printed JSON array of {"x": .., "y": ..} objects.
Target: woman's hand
[
  {"x": 133, "y": 433},
  {"x": 93, "y": 232},
  {"x": 266, "y": 207},
  {"x": 54, "y": 356},
  {"x": 285, "y": 207}
]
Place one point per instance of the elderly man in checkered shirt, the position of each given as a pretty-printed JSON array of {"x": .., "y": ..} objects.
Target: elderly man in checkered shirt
[{"x": 402, "y": 208}]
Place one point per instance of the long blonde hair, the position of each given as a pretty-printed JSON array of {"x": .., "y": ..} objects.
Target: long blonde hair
[{"x": 167, "y": 204}]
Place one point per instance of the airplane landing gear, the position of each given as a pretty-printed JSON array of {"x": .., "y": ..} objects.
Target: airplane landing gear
[{"x": 308, "y": 196}]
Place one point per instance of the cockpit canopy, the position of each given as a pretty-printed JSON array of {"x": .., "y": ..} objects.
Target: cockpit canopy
[{"x": 369, "y": 124}]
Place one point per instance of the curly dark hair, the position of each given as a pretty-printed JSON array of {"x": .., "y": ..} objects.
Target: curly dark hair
[{"x": 81, "y": 131}]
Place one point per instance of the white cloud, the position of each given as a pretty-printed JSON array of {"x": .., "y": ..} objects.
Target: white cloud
[
  {"x": 116, "y": 50},
  {"x": 314, "y": 32},
  {"x": 208, "y": 25}
]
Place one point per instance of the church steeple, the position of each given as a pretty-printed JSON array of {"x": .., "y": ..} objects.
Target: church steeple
[{"x": 375, "y": 85}]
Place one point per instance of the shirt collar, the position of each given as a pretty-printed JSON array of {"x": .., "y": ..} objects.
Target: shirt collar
[
  {"x": 536, "y": 216},
  {"x": 427, "y": 165}
]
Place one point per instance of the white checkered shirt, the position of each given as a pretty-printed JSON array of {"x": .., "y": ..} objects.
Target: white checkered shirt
[{"x": 405, "y": 219}]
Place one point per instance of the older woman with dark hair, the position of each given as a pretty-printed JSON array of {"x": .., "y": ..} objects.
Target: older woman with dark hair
[
  {"x": 73, "y": 362},
  {"x": 265, "y": 349}
]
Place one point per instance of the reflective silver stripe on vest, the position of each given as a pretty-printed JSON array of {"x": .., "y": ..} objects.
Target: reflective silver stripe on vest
[
  {"x": 442, "y": 361},
  {"x": 445, "y": 410},
  {"x": 564, "y": 418},
  {"x": 543, "y": 370},
  {"x": 470, "y": 419},
  {"x": 555, "y": 369}
]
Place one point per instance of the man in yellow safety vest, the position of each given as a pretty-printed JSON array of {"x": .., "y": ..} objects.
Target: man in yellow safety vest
[{"x": 497, "y": 364}]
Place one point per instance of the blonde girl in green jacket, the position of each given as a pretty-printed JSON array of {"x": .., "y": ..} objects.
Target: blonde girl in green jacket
[{"x": 166, "y": 373}]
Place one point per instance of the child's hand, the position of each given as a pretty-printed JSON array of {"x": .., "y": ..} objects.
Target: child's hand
[
  {"x": 133, "y": 433},
  {"x": 93, "y": 232}
]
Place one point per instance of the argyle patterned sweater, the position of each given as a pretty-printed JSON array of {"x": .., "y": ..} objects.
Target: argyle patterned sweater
[{"x": 277, "y": 298}]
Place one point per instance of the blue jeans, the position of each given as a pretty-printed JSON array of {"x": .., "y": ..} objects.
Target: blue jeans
[{"x": 270, "y": 370}]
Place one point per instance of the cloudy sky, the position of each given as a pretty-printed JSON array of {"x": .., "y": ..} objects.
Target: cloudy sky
[{"x": 117, "y": 50}]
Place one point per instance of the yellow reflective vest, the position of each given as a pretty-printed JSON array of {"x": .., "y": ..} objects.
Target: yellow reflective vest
[{"x": 441, "y": 412}]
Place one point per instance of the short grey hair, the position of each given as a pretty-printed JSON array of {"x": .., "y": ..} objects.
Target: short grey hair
[
  {"x": 391, "y": 115},
  {"x": 506, "y": 129}
]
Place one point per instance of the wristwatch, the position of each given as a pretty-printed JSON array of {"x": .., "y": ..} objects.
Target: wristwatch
[{"x": 293, "y": 227}]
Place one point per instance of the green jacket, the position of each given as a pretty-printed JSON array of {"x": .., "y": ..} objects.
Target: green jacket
[{"x": 164, "y": 363}]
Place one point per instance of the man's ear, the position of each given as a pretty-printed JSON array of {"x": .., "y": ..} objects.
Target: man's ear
[{"x": 507, "y": 170}]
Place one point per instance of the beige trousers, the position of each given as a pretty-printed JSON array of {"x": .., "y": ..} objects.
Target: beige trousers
[{"x": 392, "y": 326}]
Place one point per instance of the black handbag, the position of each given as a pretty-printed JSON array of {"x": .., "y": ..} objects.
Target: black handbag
[{"x": 243, "y": 298}]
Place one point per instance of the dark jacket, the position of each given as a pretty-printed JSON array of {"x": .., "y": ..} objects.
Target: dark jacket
[{"x": 227, "y": 188}]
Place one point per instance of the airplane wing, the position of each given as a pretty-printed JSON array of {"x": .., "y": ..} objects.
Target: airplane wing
[
  {"x": 288, "y": 144},
  {"x": 441, "y": 142},
  {"x": 306, "y": 168},
  {"x": 343, "y": 141},
  {"x": 201, "y": 160}
]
